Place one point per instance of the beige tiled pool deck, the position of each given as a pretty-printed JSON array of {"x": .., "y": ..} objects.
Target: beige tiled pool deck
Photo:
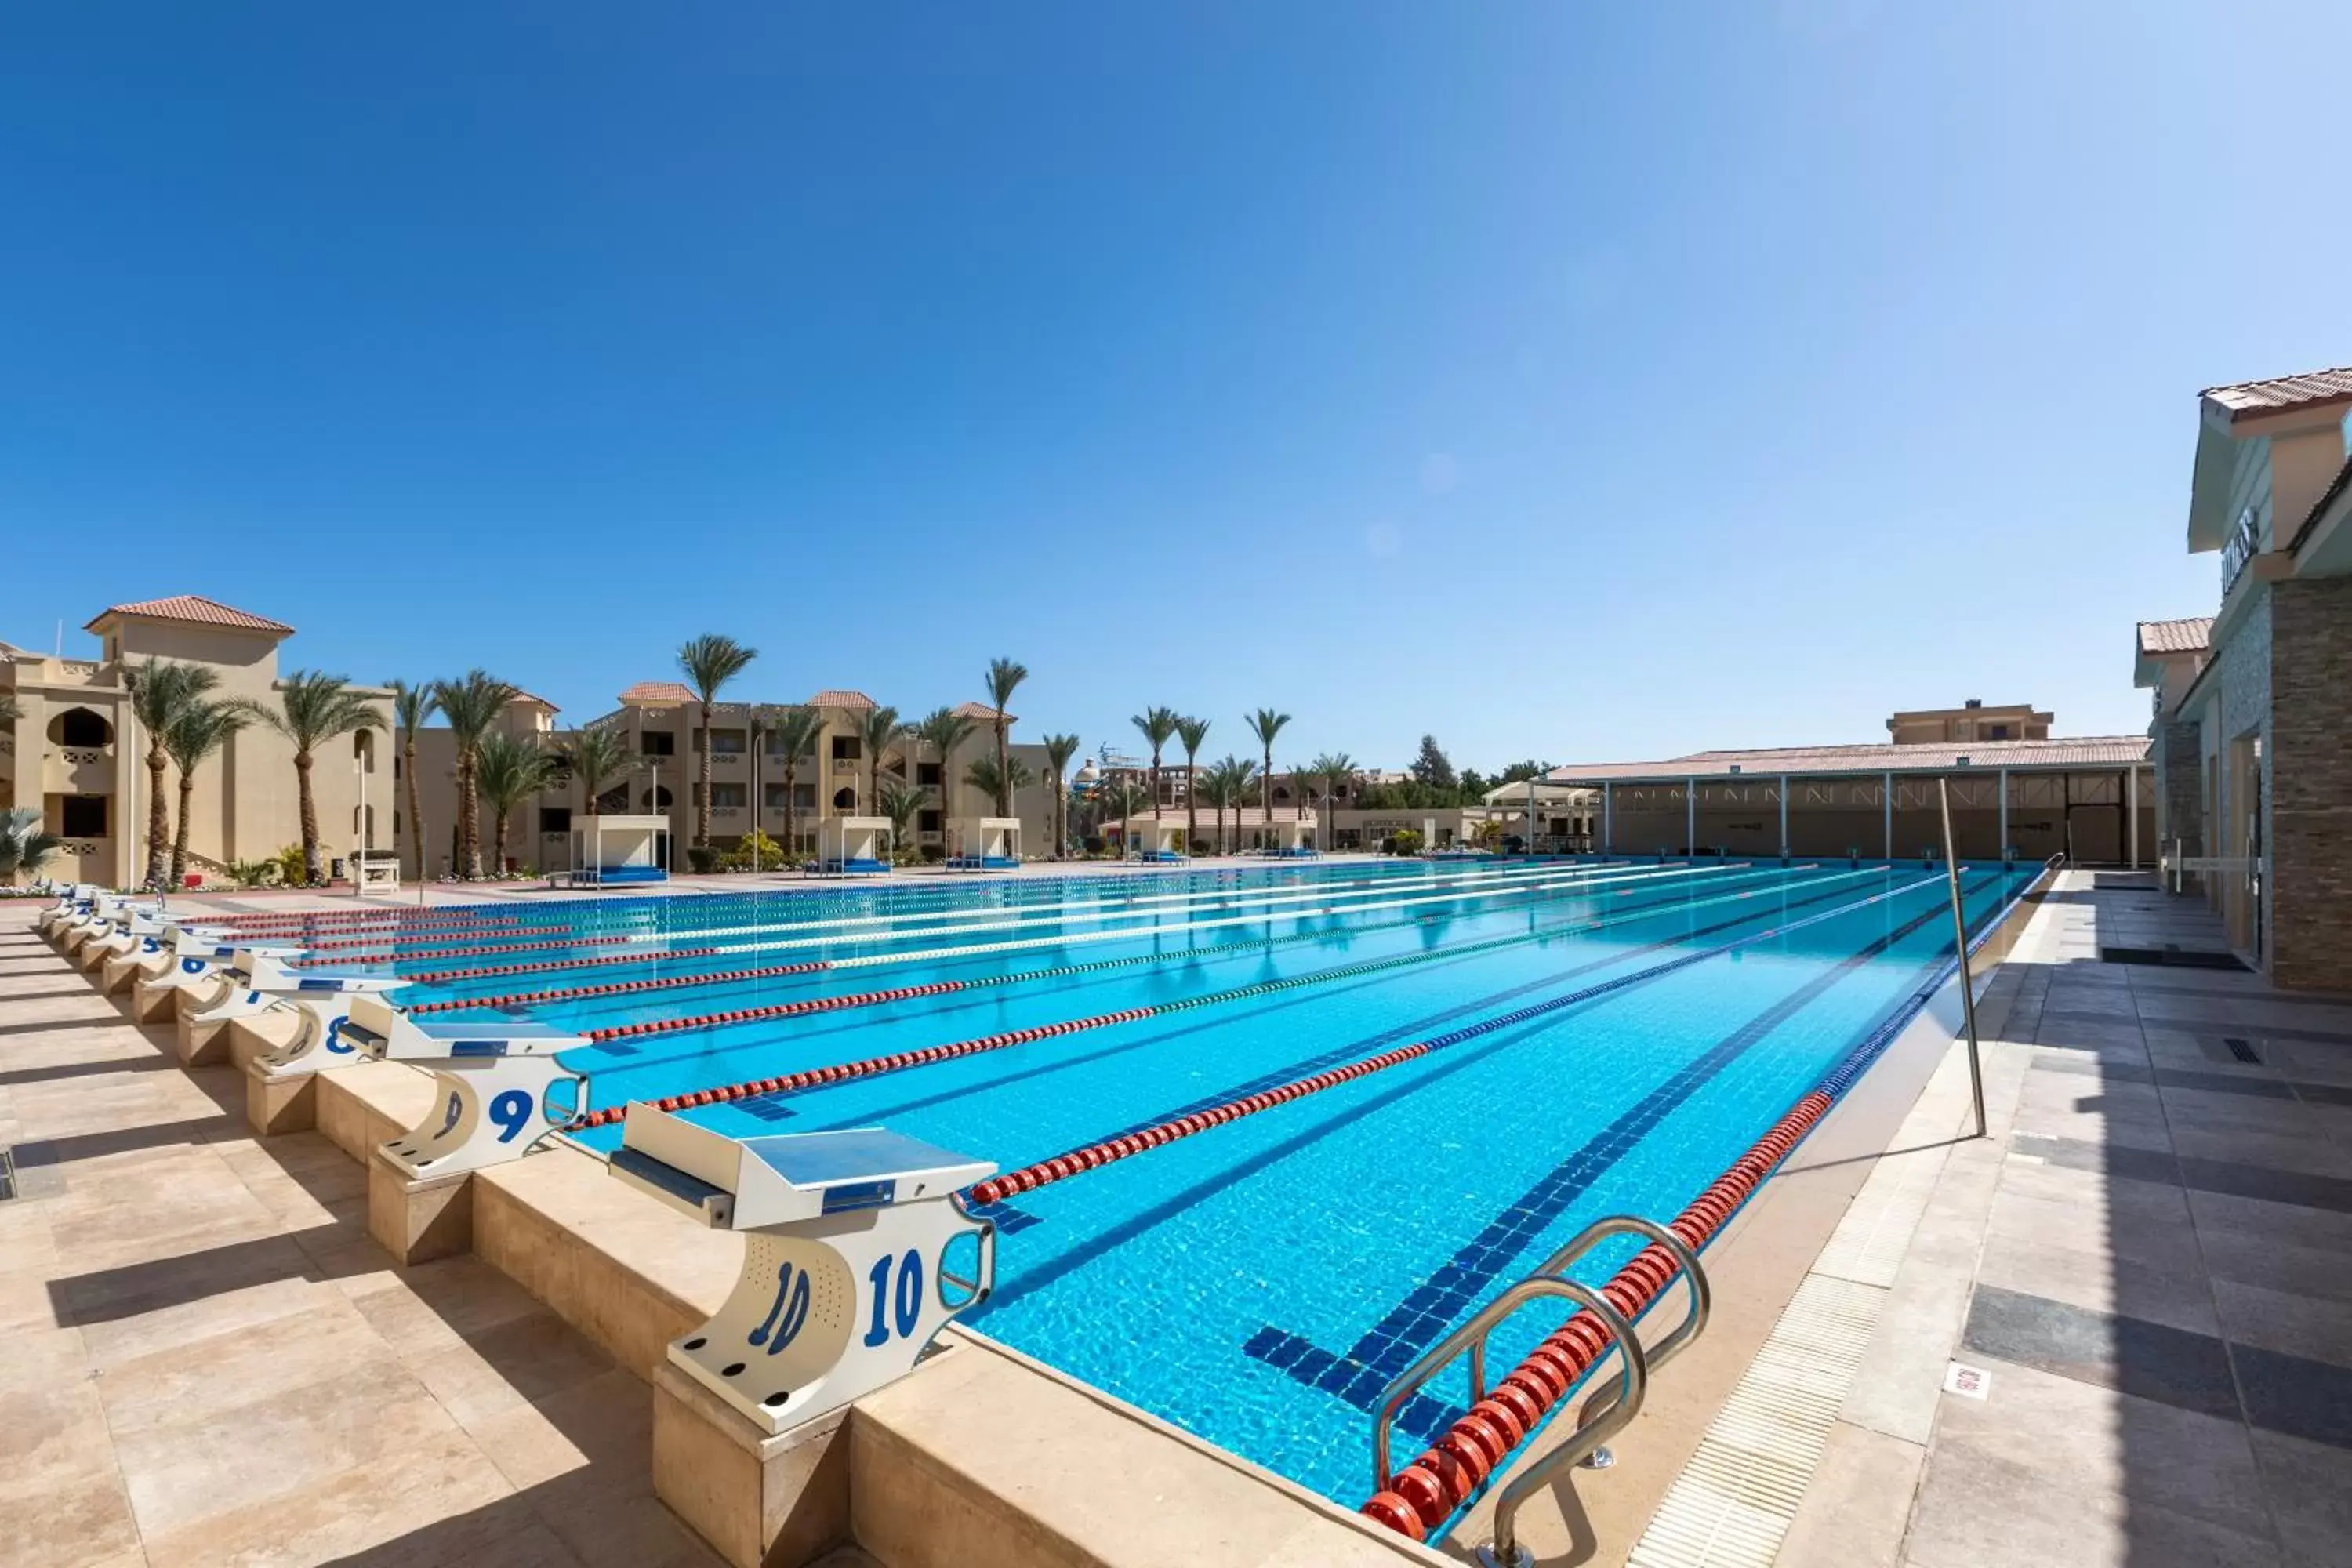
[{"x": 204, "y": 1359}]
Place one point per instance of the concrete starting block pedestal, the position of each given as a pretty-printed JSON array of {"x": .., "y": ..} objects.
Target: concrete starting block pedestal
[
  {"x": 497, "y": 1101},
  {"x": 845, "y": 1282},
  {"x": 197, "y": 956},
  {"x": 280, "y": 1074},
  {"x": 223, "y": 991}
]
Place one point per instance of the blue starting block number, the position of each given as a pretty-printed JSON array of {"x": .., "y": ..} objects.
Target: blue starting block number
[
  {"x": 907, "y": 1308},
  {"x": 510, "y": 1112}
]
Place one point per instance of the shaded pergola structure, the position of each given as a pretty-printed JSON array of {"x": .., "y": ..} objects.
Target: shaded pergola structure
[{"x": 2091, "y": 798}]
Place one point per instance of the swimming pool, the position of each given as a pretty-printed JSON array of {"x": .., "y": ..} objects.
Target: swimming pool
[{"x": 1600, "y": 1038}]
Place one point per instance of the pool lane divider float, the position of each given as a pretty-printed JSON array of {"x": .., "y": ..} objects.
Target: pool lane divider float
[
  {"x": 1356, "y": 904},
  {"x": 1061, "y": 1167},
  {"x": 983, "y": 921},
  {"x": 812, "y": 1078},
  {"x": 1421, "y": 1497},
  {"x": 818, "y": 966}
]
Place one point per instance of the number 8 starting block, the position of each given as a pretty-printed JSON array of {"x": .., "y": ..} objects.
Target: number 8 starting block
[{"x": 846, "y": 1277}]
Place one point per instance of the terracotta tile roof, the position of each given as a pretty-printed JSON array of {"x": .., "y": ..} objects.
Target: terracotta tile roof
[
  {"x": 522, "y": 696},
  {"x": 2317, "y": 387},
  {"x": 852, "y": 702},
  {"x": 2188, "y": 635},
  {"x": 194, "y": 608},
  {"x": 2095, "y": 751},
  {"x": 655, "y": 694},
  {"x": 984, "y": 714}
]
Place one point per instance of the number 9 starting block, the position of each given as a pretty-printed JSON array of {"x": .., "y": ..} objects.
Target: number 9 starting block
[
  {"x": 498, "y": 1083},
  {"x": 846, "y": 1277}
]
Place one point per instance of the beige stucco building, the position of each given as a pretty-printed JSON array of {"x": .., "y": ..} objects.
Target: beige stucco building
[
  {"x": 1971, "y": 721},
  {"x": 662, "y": 721},
  {"x": 76, "y": 753}
]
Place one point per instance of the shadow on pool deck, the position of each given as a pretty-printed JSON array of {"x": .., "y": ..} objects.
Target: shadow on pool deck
[
  {"x": 2158, "y": 1278},
  {"x": 204, "y": 1359}
]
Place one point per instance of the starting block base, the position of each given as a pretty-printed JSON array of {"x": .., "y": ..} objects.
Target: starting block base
[
  {"x": 156, "y": 1000},
  {"x": 281, "y": 1103},
  {"x": 419, "y": 1218},
  {"x": 759, "y": 1500}
]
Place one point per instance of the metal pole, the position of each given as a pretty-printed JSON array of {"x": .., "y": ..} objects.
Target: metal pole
[
  {"x": 1960, "y": 941},
  {"x": 1690, "y": 818},
  {"x": 1608, "y": 819},
  {"x": 2004, "y": 814},
  {"x": 1886, "y": 799},
  {"x": 2131, "y": 812},
  {"x": 1784, "y": 817}
]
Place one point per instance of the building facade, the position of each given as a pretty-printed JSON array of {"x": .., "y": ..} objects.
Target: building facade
[
  {"x": 1971, "y": 721},
  {"x": 2253, "y": 730},
  {"x": 76, "y": 750},
  {"x": 749, "y": 788}
]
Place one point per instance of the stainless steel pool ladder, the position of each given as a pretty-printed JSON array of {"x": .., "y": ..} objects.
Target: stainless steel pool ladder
[{"x": 1608, "y": 1409}]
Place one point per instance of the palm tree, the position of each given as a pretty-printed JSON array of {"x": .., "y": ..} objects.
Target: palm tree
[
  {"x": 944, "y": 729},
  {"x": 1232, "y": 776},
  {"x": 1157, "y": 725},
  {"x": 411, "y": 706},
  {"x": 159, "y": 693},
  {"x": 1265, "y": 724},
  {"x": 796, "y": 731},
  {"x": 983, "y": 775},
  {"x": 1332, "y": 766},
  {"x": 1059, "y": 750},
  {"x": 591, "y": 756},
  {"x": 201, "y": 729},
  {"x": 876, "y": 731},
  {"x": 1122, "y": 802},
  {"x": 508, "y": 770},
  {"x": 313, "y": 708},
  {"x": 709, "y": 662},
  {"x": 471, "y": 704},
  {"x": 902, "y": 804},
  {"x": 1189, "y": 734},
  {"x": 1003, "y": 677},
  {"x": 9, "y": 710},
  {"x": 24, "y": 845}
]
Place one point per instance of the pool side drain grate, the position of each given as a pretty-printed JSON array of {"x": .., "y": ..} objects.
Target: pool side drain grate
[
  {"x": 7, "y": 1174},
  {"x": 2243, "y": 1049}
]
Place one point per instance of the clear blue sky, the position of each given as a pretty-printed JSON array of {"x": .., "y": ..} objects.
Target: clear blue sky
[{"x": 1579, "y": 381}]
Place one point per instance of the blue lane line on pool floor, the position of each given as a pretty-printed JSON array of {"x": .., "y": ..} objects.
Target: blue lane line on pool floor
[{"x": 1359, "y": 1376}]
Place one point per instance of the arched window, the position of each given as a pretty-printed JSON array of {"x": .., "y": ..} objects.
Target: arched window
[
  {"x": 844, "y": 800},
  {"x": 657, "y": 799},
  {"x": 80, "y": 726},
  {"x": 1282, "y": 792},
  {"x": 363, "y": 748}
]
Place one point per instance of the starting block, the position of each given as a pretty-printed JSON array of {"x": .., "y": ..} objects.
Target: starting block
[
  {"x": 846, "y": 1279},
  {"x": 496, "y": 1082},
  {"x": 279, "y": 1073},
  {"x": 95, "y": 920},
  {"x": 499, "y": 1094},
  {"x": 72, "y": 902},
  {"x": 135, "y": 932}
]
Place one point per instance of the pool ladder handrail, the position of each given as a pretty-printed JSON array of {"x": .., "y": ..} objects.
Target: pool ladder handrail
[{"x": 1608, "y": 1409}]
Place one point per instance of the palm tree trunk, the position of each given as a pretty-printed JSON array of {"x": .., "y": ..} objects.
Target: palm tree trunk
[
  {"x": 1192, "y": 816},
  {"x": 1266, "y": 791},
  {"x": 702, "y": 805},
  {"x": 312, "y": 872},
  {"x": 180, "y": 829},
  {"x": 159, "y": 820},
  {"x": 416, "y": 803},
  {"x": 791, "y": 819},
  {"x": 469, "y": 817},
  {"x": 1003, "y": 780},
  {"x": 498, "y": 839}
]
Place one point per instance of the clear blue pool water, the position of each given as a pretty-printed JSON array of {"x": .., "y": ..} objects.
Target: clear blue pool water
[{"x": 1259, "y": 1283}]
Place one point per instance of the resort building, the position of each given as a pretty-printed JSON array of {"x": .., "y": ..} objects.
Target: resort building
[
  {"x": 2252, "y": 722},
  {"x": 1971, "y": 721},
  {"x": 2092, "y": 797},
  {"x": 749, "y": 789},
  {"x": 77, "y": 751}
]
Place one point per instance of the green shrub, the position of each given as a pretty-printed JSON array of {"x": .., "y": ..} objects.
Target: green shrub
[
  {"x": 702, "y": 860},
  {"x": 253, "y": 873},
  {"x": 291, "y": 871},
  {"x": 771, "y": 854},
  {"x": 1407, "y": 841}
]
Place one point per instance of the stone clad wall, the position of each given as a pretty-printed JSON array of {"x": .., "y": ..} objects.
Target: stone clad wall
[{"x": 2308, "y": 772}]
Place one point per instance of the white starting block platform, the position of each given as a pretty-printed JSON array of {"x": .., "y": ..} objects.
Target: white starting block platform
[
  {"x": 260, "y": 980},
  {"x": 495, "y": 1078},
  {"x": 845, "y": 1278}
]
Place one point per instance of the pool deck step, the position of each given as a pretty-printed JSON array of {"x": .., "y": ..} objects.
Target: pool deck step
[{"x": 980, "y": 1457}]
